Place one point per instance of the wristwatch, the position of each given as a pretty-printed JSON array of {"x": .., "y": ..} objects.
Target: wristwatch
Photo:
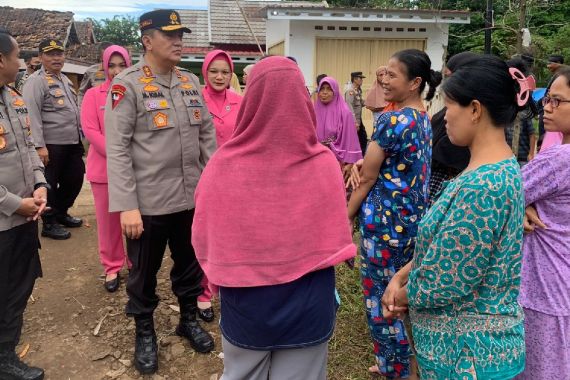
[{"x": 42, "y": 184}]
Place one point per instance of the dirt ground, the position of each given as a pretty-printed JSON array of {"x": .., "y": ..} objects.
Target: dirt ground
[{"x": 69, "y": 303}]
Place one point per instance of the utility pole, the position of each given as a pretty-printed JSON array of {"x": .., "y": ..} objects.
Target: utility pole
[
  {"x": 522, "y": 25},
  {"x": 488, "y": 26}
]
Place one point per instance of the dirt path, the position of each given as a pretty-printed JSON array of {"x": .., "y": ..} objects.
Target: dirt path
[{"x": 69, "y": 301}]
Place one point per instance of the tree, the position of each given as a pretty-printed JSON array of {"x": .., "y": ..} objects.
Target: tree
[{"x": 120, "y": 30}]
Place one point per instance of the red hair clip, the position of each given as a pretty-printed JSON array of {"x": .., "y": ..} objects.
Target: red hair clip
[{"x": 526, "y": 84}]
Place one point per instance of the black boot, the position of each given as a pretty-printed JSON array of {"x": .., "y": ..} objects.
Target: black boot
[
  {"x": 55, "y": 231},
  {"x": 207, "y": 315},
  {"x": 200, "y": 339},
  {"x": 146, "y": 349},
  {"x": 69, "y": 221},
  {"x": 12, "y": 368}
]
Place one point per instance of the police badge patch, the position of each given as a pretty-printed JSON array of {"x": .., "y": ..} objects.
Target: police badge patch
[{"x": 117, "y": 94}]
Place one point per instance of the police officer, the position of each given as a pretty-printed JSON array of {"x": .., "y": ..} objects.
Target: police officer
[
  {"x": 22, "y": 200},
  {"x": 52, "y": 104},
  {"x": 94, "y": 75},
  {"x": 159, "y": 137},
  {"x": 33, "y": 64},
  {"x": 353, "y": 97}
]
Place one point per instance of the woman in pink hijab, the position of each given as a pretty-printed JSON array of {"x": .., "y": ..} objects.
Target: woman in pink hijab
[
  {"x": 335, "y": 124},
  {"x": 375, "y": 98},
  {"x": 223, "y": 104},
  {"x": 111, "y": 249},
  {"x": 270, "y": 225}
]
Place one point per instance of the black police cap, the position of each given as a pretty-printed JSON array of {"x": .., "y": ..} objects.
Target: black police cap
[
  {"x": 357, "y": 74},
  {"x": 167, "y": 20},
  {"x": 49, "y": 45}
]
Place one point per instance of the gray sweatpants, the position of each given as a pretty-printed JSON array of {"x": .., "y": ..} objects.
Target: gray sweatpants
[{"x": 288, "y": 364}]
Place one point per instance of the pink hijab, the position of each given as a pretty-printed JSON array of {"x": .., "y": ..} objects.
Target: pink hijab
[
  {"x": 375, "y": 96},
  {"x": 335, "y": 125},
  {"x": 218, "y": 98},
  {"x": 270, "y": 205},
  {"x": 114, "y": 49}
]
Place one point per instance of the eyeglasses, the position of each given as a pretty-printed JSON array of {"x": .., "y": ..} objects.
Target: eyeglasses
[{"x": 555, "y": 102}]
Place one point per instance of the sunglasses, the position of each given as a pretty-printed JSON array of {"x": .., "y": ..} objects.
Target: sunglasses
[{"x": 555, "y": 102}]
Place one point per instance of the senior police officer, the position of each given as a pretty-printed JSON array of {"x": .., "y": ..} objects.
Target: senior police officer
[
  {"x": 353, "y": 97},
  {"x": 159, "y": 137},
  {"x": 54, "y": 115},
  {"x": 94, "y": 75},
  {"x": 22, "y": 200}
]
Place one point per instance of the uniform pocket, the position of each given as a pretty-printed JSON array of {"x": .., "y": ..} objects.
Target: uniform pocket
[
  {"x": 159, "y": 114},
  {"x": 57, "y": 98},
  {"x": 7, "y": 140}
]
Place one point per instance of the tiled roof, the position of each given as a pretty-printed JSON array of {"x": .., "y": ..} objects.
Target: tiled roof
[
  {"x": 84, "y": 30},
  {"x": 31, "y": 26},
  {"x": 197, "y": 21},
  {"x": 87, "y": 53},
  {"x": 228, "y": 26}
]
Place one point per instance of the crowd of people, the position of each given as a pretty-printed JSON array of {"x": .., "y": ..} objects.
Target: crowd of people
[{"x": 464, "y": 228}]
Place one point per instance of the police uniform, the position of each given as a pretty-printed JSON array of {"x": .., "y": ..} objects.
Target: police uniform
[
  {"x": 93, "y": 76},
  {"x": 159, "y": 137},
  {"x": 20, "y": 173},
  {"x": 54, "y": 116},
  {"x": 353, "y": 98}
]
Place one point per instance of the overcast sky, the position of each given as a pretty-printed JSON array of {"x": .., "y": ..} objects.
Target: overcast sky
[{"x": 98, "y": 9}]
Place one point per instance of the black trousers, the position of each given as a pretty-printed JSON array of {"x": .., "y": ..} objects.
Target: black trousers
[
  {"x": 64, "y": 173},
  {"x": 19, "y": 267},
  {"x": 146, "y": 255},
  {"x": 362, "y": 137}
]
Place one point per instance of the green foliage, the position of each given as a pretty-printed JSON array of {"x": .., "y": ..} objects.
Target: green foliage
[{"x": 120, "y": 30}]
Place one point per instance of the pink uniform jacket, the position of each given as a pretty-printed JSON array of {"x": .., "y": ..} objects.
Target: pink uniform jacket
[
  {"x": 92, "y": 122},
  {"x": 224, "y": 122}
]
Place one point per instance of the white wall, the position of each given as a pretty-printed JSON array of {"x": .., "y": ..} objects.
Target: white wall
[{"x": 300, "y": 38}]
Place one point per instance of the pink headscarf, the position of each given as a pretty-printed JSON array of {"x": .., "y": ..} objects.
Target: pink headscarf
[
  {"x": 335, "y": 125},
  {"x": 217, "y": 97},
  {"x": 375, "y": 96},
  {"x": 114, "y": 49},
  {"x": 270, "y": 205}
]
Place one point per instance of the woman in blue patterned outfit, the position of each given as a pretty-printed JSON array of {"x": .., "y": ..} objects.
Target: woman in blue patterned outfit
[
  {"x": 463, "y": 282},
  {"x": 392, "y": 198}
]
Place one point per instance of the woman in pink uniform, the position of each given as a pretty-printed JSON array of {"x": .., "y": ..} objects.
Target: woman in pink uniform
[
  {"x": 223, "y": 104},
  {"x": 111, "y": 249}
]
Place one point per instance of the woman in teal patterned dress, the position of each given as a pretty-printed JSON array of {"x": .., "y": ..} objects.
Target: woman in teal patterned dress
[
  {"x": 391, "y": 199},
  {"x": 463, "y": 283}
]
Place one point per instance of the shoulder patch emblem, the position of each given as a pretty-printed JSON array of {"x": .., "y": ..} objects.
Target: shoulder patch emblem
[
  {"x": 18, "y": 102},
  {"x": 117, "y": 94}
]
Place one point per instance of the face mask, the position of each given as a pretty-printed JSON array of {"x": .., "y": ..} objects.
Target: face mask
[{"x": 36, "y": 67}]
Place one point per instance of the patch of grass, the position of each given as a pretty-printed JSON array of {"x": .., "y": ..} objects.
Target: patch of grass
[{"x": 350, "y": 349}]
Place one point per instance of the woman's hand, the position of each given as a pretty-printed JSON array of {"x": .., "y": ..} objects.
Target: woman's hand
[
  {"x": 395, "y": 300},
  {"x": 353, "y": 179},
  {"x": 346, "y": 170},
  {"x": 532, "y": 220}
]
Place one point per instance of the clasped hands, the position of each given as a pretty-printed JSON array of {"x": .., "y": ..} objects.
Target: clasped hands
[
  {"x": 33, "y": 207},
  {"x": 395, "y": 299}
]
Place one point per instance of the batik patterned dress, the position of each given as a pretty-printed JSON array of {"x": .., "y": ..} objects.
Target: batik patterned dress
[
  {"x": 465, "y": 278},
  {"x": 388, "y": 218}
]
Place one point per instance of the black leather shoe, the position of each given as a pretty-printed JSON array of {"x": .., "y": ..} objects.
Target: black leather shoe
[
  {"x": 146, "y": 349},
  {"x": 69, "y": 221},
  {"x": 200, "y": 340},
  {"x": 113, "y": 285},
  {"x": 55, "y": 231},
  {"x": 12, "y": 368},
  {"x": 207, "y": 315}
]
